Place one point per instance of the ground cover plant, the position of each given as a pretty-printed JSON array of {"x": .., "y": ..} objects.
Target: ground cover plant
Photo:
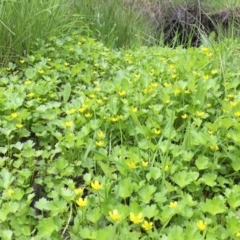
[{"x": 104, "y": 144}]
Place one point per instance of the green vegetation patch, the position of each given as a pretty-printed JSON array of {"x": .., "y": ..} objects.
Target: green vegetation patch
[{"x": 100, "y": 144}]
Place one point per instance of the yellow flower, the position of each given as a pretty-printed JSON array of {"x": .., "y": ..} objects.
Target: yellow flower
[
  {"x": 81, "y": 202},
  {"x": 214, "y": 147},
  {"x": 114, "y": 119},
  {"x": 71, "y": 111},
  {"x": 114, "y": 215},
  {"x": 132, "y": 165},
  {"x": 96, "y": 185},
  {"x": 144, "y": 163},
  {"x": 147, "y": 225},
  {"x": 238, "y": 234},
  {"x": 209, "y": 105},
  {"x": 99, "y": 143},
  {"x": 41, "y": 71},
  {"x": 10, "y": 192},
  {"x": 19, "y": 125},
  {"x": 99, "y": 101},
  {"x": 88, "y": 115},
  {"x": 187, "y": 91},
  {"x": 66, "y": 64},
  {"x": 78, "y": 191},
  {"x": 166, "y": 168},
  {"x": 21, "y": 61},
  {"x": 157, "y": 131},
  {"x": 176, "y": 91},
  {"x": 137, "y": 76},
  {"x": 167, "y": 84},
  {"x": 136, "y": 219},
  {"x": 205, "y": 77},
  {"x": 237, "y": 114},
  {"x": 201, "y": 225},
  {"x": 14, "y": 115},
  {"x": 30, "y": 95},
  {"x": 92, "y": 95},
  {"x": 154, "y": 85},
  {"x": 134, "y": 109},
  {"x": 100, "y": 134},
  {"x": 69, "y": 124},
  {"x": 233, "y": 104},
  {"x": 167, "y": 101},
  {"x": 49, "y": 59},
  {"x": 213, "y": 72},
  {"x": 200, "y": 114},
  {"x": 230, "y": 95},
  {"x": 174, "y": 76},
  {"x": 173, "y": 204},
  {"x": 184, "y": 116},
  {"x": 8, "y": 69},
  {"x": 122, "y": 93},
  {"x": 27, "y": 82},
  {"x": 210, "y": 132}
]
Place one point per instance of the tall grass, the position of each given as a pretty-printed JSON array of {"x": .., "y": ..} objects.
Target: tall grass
[
  {"x": 23, "y": 21},
  {"x": 114, "y": 22}
]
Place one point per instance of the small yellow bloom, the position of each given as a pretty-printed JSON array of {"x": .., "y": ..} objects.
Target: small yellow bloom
[
  {"x": 205, "y": 77},
  {"x": 136, "y": 219},
  {"x": 214, "y": 147},
  {"x": 167, "y": 84},
  {"x": 137, "y": 76},
  {"x": 176, "y": 91},
  {"x": 81, "y": 202},
  {"x": 228, "y": 135},
  {"x": 166, "y": 168},
  {"x": 114, "y": 215},
  {"x": 154, "y": 85},
  {"x": 114, "y": 119},
  {"x": 22, "y": 61},
  {"x": 92, "y": 95},
  {"x": 147, "y": 225},
  {"x": 10, "y": 192},
  {"x": 173, "y": 204},
  {"x": 200, "y": 114},
  {"x": 66, "y": 64},
  {"x": 69, "y": 124},
  {"x": 30, "y": 95},
  {"x": 167, "y": 101},
  {"x": 213, "y": 72},
  {"x": 233, "y": 104},
  {"x": 100, "y": 134},
  {"x": 27, "y": 82},
  {"x": 71, "y": 111},
  {"x": 88, "y": 115},
  {"x": 8, "y": 69},
  {"x": 237, "y": 114},
  {"x": 122, "y": 93},
  {"x": 210, "y": 132},
  {"x": 49, "y": 59},
  {"x": 157, "y": 131},
  {"x": 184, "y": 116},
  {"x": 99, "y": 143},
  {"x": 134, "y": 109},
  {"x": 238, "y": 234},
  {"x": 99, "y": 101},
  {"x": 209, "y": 105},
  {"x": 171, "y": 66},
  {"x": 201, "y": 225},
  {"x": 132, "y": 165},
  {"x": 78, "y": 191},
  {"x": 230, "y": 95},
  {"x": 174, "y": 76},
  {"x": 96, "y": 185},
  {"x": 187, "y": 91},
  {"x": 19, "y": 125},
  {"x": 41, "y": 71},
  {"x": 144, "y": 164},
  {"x": 14, "y": 115}
]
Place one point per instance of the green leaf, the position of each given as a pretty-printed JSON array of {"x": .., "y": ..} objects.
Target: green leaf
[
  {"x": 125, "y": 188},
  {"x": 209, "y": 179},
  {"x": 214, "y": 206},
  {"x": 146, "y": 193},
  {"x": 150, "y": 211},
  {"x": 93, "y": 215},
  {"x": 6, "y": 234},
  {"x": 66, "y": 92},
  {"x": 202, "y": 162},
  {"x": 154, "y": 173},
  {"x": 184, "y": 178},
  {"x": 45, "y": 227}
]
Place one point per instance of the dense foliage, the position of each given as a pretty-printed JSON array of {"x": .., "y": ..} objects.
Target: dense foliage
[{"x": 102, "y": 144}]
